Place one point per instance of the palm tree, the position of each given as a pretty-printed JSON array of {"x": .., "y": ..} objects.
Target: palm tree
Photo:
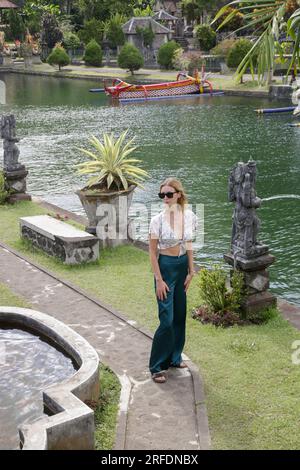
[{"x": 268, "y": 18}]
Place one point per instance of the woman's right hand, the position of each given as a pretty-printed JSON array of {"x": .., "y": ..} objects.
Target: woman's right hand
[{"x": 162, "y": 289}]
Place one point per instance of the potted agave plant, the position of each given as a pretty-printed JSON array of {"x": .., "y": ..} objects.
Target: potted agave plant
[{"x": 108, "y": 194}]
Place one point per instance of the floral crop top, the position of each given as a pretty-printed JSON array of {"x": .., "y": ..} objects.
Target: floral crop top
[{"x": 161, "y": 230}]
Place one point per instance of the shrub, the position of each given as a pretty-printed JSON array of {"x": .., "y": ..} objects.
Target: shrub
[
  {"x": 71, "y": 41},
  {"x": 239, "y": 50},
  {"x": 58, "y": 57},
  {"x": 166, "y": 54},
  {"x": 93, "y": 29},
  {"x": 3, "y": 192},
  {"x": 206, "y": 36},
  {"x": 205, "y": 315},
  {"x": 221, "y": 306},
  {"x": 130, "y": 58},
  {"x": 187, "y": 60},
  {"x": 51, "y": 33},
  {"x": 224, "y": 47},
  {"x": 93, "y": 54}
]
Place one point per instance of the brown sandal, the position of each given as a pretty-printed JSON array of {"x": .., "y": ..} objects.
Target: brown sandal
[{"x": 159, "y": 377}]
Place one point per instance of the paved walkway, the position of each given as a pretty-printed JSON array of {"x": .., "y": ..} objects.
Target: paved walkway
[{"x": 152, "y": 416}]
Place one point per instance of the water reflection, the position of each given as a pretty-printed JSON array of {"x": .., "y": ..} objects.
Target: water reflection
[{"x": 28, "y": 365}]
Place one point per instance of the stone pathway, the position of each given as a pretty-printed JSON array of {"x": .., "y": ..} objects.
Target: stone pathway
[{"x": 152, "y": 416}]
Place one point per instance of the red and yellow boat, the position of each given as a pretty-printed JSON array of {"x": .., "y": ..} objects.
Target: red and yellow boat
[{"x": 184, "y": 85}]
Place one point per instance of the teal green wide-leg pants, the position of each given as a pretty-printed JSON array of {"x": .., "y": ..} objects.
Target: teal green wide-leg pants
[{"x": 169, "y": 339}]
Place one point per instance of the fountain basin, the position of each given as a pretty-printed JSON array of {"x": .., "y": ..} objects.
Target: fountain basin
[{"x": 70, "y": 422}]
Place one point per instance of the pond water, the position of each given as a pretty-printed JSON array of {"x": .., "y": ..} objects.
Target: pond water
[
  {"x": 197, "y": 140},
  {"x": 28, "y": 365}
]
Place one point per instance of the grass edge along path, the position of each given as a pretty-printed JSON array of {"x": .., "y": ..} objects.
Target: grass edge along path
[
  {"x": 251, "y": 385},
  {"x": 106, "y": 410},
  {"x": 9, "y": 299}
]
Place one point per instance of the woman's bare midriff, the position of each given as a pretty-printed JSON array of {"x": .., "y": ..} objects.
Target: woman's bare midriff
[{"x": 172, "y": 251}]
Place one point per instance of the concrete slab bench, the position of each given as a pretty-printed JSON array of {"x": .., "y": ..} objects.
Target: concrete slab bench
[{"x": 61, "y": 240}]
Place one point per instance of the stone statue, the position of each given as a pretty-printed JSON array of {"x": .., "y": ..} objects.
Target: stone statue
[
  {"x": 246, "y": 224},
  {"x": 11, "y": 151},
  {"x": 14, "y": 172},
  {"x": 247, "y": 254}
]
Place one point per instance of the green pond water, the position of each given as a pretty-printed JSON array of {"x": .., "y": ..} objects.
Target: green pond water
[{"x": 196, "y": 139}]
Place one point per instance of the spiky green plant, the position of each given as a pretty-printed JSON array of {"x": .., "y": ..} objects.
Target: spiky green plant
[
  {"x": 267, "y": 18},
  {"x": 111, "y": 163}
]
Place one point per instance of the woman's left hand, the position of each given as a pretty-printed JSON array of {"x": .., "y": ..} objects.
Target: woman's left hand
[{"x": 187, "y": 281}]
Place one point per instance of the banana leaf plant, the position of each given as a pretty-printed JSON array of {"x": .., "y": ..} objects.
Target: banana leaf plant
[{"x": 267, "y": 19}]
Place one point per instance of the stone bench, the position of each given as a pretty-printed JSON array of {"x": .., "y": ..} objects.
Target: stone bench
[{"x": 56, "y": 238}]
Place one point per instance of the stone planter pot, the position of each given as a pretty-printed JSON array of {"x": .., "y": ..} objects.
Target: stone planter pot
[
  {"x": 28, "y": 62},
  {"x": 108, "y": 215}
]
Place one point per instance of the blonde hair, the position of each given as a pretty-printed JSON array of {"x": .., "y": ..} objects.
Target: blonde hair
[{"x": 177, "y": 185}]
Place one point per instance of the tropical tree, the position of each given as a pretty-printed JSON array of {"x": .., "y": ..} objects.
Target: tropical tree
[
  {"x": 103, "y": 9},
  {"x": 93, "y": 54},
  {"x": 92, "y": 29},
  {"x": 237, "y": 53},
  {"x": 58, "y": 57},
  {"x": 166, "y": 54},
  {"x": 268, "y": 19},
  {"x": 114, "y": 32},
  {"x": 130, "y": 58},
  {"x": 193, "y": 10}
]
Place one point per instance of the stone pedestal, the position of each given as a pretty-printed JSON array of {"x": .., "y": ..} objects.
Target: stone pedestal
[
  {"x": 14, "y": 172},
  {"x": 16, "y": 184},
  {"x": 281, "y": 91},
  {"x": 256, "y": 278}
]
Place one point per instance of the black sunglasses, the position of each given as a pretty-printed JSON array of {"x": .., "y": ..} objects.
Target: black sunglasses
[{"x": 169, "y": 195}]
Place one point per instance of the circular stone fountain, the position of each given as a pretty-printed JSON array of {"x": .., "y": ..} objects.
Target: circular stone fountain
[{"x": 45, "y": 365}]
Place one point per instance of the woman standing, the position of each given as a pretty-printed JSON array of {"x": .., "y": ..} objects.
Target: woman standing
[{"x": 171, "y": 256}]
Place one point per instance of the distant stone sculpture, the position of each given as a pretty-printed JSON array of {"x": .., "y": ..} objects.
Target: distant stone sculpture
[
  {"x": 247, "y": 254},
  {"x": 14, "y": 172},
  {"x": 246, "y": 224},
  {"x": 11, "y": 151}
]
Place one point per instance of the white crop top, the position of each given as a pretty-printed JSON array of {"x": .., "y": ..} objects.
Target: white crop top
[{"x": 161, "y": 230}]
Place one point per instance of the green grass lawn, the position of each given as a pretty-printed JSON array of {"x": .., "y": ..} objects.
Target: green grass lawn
[
  {"x": 9, "y": 299},
  {"x": 251, "y": 385},
  {"x": 107, "y": 410}
]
